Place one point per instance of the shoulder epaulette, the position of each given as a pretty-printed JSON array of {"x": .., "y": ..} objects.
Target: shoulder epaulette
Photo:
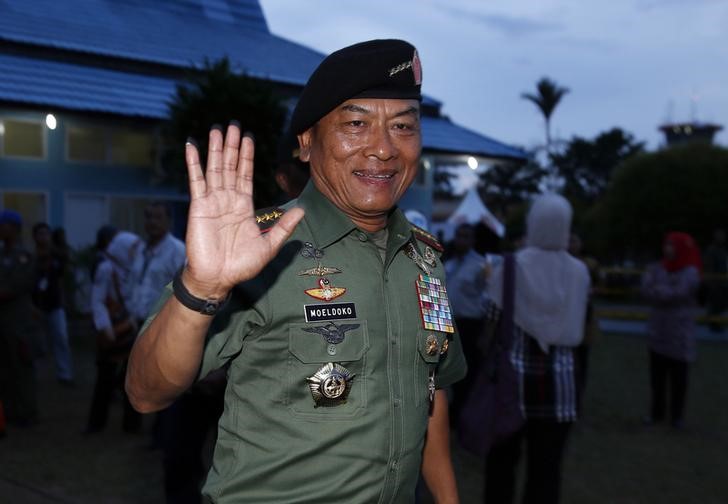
[
  {"x": 267, "y": 217},
  {"x": 427, "y": 238}
]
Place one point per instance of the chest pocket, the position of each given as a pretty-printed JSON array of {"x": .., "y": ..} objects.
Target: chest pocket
[
  {"x": 429, "y": 347},
  {"x": 311, "y": 347}
]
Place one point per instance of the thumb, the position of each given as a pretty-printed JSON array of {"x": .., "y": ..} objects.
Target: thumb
[{"x": 283, "y": 228}]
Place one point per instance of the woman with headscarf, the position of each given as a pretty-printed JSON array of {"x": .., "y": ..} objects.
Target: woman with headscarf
[
  {"x": 671, "y": 287},
  {"x": 115, "y": 326},
  {"x": 551, "y": 289}
]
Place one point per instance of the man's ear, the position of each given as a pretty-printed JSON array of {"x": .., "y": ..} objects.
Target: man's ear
[{"x": 304, "y": 144}]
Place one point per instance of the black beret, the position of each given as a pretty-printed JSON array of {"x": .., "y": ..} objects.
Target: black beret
[{"x": 373, "y": 69}]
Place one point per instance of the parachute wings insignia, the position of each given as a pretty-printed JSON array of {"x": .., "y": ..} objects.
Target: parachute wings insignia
[
  {"x": 427, "y": 238},
  {"x": 267, "y": 217}
]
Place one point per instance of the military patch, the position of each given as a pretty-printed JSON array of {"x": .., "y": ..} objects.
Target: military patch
[
  {"x": 445, "y": 346},
  {"x": 427, "y": 238},
  {"x": 431, "y": 345},
  {"x": 434, "y": 304},
  {"x": 429, "y": 257},
  {"x": 267, "y": 217},
  {"x": 310, "y": 252},
  {"x": 334, "y": 311},
  {"x": 332, "y": 333},
  {"x": 325, "y": 291},
  {"x": 411, "y": 252},
  {"x": 331, "y": 384},
  {"x": 319, "y": 271}
]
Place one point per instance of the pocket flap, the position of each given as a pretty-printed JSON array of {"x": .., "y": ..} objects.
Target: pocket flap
[{"x": 329, "y": 342}]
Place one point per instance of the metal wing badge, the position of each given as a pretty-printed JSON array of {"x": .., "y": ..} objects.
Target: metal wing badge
[{"x": 332, "y": 333}]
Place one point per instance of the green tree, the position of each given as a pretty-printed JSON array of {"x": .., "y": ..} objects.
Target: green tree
[
  {"x": 217, "y": 95},
  {"x": 681, "y": 188},
  {"x": 507, "y": 184},
  {"x": 586, "y": 166},
  {"x": 548, "y": 96}
]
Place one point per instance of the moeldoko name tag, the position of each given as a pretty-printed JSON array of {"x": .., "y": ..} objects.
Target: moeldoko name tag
[{"x": 329, "y": 311}]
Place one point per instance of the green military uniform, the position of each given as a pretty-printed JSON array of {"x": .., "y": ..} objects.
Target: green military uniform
[
  {"x": 19, "y": 335},
  {"x": 276, "y": 443}
]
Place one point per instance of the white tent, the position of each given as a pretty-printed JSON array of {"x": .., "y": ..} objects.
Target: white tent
[{"x": 471, "y": 210}]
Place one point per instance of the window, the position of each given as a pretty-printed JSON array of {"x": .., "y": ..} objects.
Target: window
[
  {"x": 132, "y": 148},
  {"x": 107, "y": 145},
  {"x": 86, "y": 144},
  {"x": 22, "y": 138}
]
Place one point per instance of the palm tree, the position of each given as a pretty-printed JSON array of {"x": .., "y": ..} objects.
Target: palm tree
[{"x": 548, "y": 96}]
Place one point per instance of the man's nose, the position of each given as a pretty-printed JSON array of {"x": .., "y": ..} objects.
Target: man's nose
[{"x": 381, "y": 144}]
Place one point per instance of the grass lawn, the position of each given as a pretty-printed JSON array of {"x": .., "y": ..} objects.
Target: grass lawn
[{"x": 611, "y": 457}]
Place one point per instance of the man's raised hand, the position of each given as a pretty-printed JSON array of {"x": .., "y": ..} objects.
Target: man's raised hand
[{"x": 224, "y": 244}]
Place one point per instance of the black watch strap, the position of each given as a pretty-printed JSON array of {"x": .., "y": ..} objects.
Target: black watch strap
[{"x": 204, "y": 306}]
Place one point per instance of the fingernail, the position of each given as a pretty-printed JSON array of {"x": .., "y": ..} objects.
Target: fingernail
[
  {"x": 191, "y": 141},
  {"x": 217, "y": 127},
  {"x": 249, "y": 134},
  {"x": 235, "y": 123}
]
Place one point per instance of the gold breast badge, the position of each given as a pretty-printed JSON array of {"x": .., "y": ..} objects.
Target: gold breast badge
[
  {"x": 325, "y": 291},
  {"x": 330, "y": 386}
]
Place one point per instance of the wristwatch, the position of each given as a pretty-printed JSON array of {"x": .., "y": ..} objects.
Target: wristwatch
[{"x": 205, "y": 306}]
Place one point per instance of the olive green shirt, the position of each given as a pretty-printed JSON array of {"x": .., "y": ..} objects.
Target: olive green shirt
[{"x": 274, "y": 444}]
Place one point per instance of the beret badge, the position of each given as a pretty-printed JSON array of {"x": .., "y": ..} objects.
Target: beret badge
[{"x": 414, "y": 64}]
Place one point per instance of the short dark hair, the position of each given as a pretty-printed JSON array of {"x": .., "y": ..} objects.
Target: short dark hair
[
  {"x": 40, "y": 225},
  {"x": 160, "y": 204}
]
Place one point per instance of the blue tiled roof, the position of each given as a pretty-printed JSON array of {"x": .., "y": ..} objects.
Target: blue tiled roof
[
  {"x": 76, "y": 87},
  {"x": 179, "y": 33},
  {"x": 441, "y": 134}
]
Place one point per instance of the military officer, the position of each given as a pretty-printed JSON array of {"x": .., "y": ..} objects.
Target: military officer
[
  {"x": 335, "y": 327},
  {"x": 19, "y": 329}
]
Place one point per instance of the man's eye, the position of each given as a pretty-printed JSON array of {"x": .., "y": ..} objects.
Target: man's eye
[
  {"x": 356, "y": 123},
  {"x": 405, "y": 126}
]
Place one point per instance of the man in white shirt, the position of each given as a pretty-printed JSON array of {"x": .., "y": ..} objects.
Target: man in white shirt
[{"x": 162, "y": 256}]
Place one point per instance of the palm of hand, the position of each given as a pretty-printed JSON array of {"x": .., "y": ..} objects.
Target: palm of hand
[{"x": 224, "y": 244}]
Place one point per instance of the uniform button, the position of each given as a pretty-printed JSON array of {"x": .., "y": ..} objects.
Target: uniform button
[
  {"x": 393, "y": 341},
  {"x": 397, "y": 402},
  {"x": 362, "y": 237}
]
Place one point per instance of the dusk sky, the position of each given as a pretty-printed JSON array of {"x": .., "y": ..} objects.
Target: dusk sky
[{"x": 628, "y": 63}]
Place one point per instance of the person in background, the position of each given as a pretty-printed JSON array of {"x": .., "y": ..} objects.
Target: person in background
[
  {"x": 467, "y": 272},
  {"x": 671, "y": 286},
  {"x": 291, "y": 174},
  {"x": 48, "y": 297},
  {"x": 550, "y": 298},
  {"x": 20, "y": 332},
  {"x": 115, "y": 326},
  {"x": 716, "y": 278},
  {"x": 161, "y": 256}
]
